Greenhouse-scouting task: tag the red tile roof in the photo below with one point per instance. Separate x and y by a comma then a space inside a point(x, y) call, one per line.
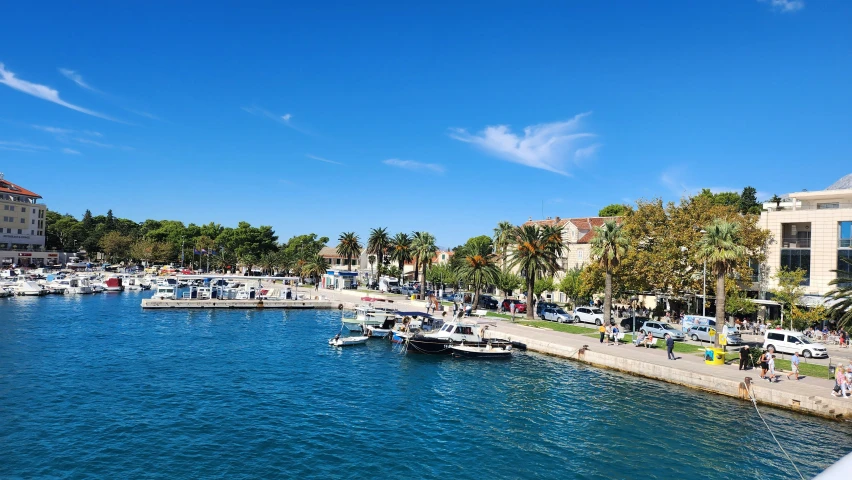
point(9, 187)
point(584, 224)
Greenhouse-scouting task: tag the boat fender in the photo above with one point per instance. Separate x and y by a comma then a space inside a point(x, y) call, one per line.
point(519, 345)
point(340, 307)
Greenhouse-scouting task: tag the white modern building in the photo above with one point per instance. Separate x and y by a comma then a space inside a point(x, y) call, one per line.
point(811, 231)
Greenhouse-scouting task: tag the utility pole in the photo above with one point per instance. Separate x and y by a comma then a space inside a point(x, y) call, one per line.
point(181, 253)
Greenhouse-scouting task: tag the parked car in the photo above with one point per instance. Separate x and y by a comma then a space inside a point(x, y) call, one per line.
point(701, 333)
point(662, 330)
point(540, 306)
point(557, 314)
point(489, 302)
point(788, 341)
point(589, 315)
point(627, 323)
point(520, 307)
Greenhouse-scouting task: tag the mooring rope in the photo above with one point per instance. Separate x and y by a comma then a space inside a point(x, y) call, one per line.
point(754, 402)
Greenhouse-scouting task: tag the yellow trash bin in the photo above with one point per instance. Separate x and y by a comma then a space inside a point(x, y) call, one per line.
point(714, 356)
point(414, 296)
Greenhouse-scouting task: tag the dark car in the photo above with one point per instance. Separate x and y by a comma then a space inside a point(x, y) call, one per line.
point(520, 306)
point(627, 323)
point(489, 302)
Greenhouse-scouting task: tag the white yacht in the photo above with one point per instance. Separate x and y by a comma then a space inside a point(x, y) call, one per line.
point(165, 292)
point(29, 288)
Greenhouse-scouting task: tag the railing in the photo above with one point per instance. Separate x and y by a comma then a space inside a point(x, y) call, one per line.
point(810, 206)
point(795, 242)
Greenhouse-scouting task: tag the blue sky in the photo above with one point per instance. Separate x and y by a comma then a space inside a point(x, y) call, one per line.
point(445, 116)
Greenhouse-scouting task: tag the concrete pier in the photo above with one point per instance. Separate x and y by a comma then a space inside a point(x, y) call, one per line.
point(239, 304)
point(809, 395)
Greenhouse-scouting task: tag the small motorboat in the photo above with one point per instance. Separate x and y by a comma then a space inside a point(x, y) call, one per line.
point(339, 341)
point(488, 351)
point(377, 332)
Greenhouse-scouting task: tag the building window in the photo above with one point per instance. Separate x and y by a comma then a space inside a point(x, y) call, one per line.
point(23, 220)
point(824, 206)
point(20, 231)
point(795, 235)
point(24, 209)
point(792, 259)
point(580, 255)
point(844, 233)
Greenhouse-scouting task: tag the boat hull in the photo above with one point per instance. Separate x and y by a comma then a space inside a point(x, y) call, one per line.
point(480, 352)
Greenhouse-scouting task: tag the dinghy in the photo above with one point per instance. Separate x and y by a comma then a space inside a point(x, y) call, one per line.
point(339, 341)
point(488, 351)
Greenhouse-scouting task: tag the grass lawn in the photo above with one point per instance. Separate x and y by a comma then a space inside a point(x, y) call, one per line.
point(808, 369)
point(559, 327)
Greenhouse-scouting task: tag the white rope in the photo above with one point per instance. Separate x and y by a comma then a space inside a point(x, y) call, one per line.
point(754, 402)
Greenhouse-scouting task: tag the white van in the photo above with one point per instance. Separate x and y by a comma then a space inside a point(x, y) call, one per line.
point(788, 341)
point(690, 321)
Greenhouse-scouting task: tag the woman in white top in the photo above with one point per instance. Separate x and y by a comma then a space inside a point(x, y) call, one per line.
point(771, 361)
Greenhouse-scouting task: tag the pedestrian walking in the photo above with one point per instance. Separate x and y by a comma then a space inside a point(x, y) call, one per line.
point(615, 333)
point(670, 347)
point(841, 383)
point(745, 355)
point(602, 331)
point(794, 366)
point(770, 365)
point(764, 364)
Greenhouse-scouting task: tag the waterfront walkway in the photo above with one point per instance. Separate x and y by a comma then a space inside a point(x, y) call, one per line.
point(809, 394)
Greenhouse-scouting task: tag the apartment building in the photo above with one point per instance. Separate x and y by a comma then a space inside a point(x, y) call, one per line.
point(811, 231)
point(22, 227)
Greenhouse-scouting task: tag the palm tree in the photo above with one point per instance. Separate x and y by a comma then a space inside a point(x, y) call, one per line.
point(315, 268)
point(378, 244)
point(400, 249)
point(423, 247)
point(841, 296)
point(503, 238)
point(479, 267)
point(371, 259)
point(349, 247)
point(609, 245)
point(720, 248)
point(536, 254)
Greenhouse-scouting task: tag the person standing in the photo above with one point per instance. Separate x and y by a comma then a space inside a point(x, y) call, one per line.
point(602, 331)
point(615, 332)
point(608, 332)
point(794, 366)
point(745, 354)
point(670, 347)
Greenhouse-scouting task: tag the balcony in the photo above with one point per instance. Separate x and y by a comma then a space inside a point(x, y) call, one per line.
point(795, 242)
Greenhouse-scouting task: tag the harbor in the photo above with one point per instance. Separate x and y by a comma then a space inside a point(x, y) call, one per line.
point(261, 389)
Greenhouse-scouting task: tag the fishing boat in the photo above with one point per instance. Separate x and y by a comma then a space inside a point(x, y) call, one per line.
point(165, 292)
point(351, 320)
point(488, 351)
point(113, 285)
point(339, 341)
point(28, 288)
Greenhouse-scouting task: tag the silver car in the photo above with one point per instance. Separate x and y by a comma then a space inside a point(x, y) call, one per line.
point(557, 315)
point(662, 330)
point(701, 333)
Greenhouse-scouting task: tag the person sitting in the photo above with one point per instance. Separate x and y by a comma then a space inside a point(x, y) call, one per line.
point(640, 339)
point(649, 340)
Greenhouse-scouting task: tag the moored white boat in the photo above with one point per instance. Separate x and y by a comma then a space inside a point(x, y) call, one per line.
point(339, 341)
point(488, 351)
point(29, 288)
point(165, 292)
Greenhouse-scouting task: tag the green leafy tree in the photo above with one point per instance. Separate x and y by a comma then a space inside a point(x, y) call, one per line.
point(721, 248)
point(442, 274)
point(609, 245)
point(479, 266)
point(748, 201)
point(315, 268)
point(572, 285)
point(116, 246)
point(393, 271)
point(424, 249)
point(614, 210)
point(349, 246)
point(536, 253)
point(248, 243)
point(543, 285)
point(508, 282)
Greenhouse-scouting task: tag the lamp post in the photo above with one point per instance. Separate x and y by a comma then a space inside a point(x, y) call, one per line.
point(633, 301)
point(704, 292)
point(181, 253)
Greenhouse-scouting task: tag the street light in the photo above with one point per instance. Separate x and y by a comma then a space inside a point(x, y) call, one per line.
point(633, 300)
point(704, 293)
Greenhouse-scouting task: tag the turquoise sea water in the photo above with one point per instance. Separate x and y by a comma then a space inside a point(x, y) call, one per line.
point(95, 387)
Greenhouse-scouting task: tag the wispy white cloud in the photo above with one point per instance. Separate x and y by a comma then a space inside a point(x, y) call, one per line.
point(44, 92)
point(70, 151)
point(94, 134)
point(547, 146)
point(587, 152)
point(53, 130)
point(286, 119)
point(86, 141)
point(412, 165)
point(22, 147)
point(320, 159)
point(785, 5)
point(76, 78)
